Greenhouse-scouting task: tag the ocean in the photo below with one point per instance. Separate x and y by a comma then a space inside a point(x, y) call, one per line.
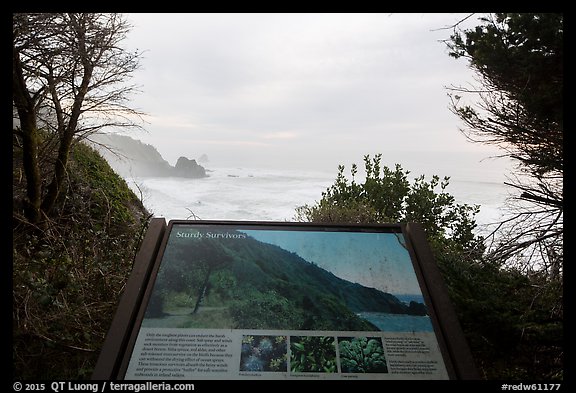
point(271, 194)
point(398, 322)
point(240, 193)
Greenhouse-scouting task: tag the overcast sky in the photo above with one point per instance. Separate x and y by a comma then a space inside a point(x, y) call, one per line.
point(304, 90)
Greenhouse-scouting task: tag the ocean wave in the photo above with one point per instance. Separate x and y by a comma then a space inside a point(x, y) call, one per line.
point(263, 194)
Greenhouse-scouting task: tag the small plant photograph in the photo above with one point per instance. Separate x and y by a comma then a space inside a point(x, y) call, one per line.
point(313, 354)
point(264, 353)
point(362, 355)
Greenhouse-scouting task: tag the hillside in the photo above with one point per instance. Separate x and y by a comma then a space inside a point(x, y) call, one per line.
point(132, 158)
point(253, 285)
point(68, 278)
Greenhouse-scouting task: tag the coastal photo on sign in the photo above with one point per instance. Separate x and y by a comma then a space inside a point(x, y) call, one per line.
point(232, 300)
point(259, 279)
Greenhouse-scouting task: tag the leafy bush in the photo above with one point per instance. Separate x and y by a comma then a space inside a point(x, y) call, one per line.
point(513, 321)
point(312, 354)
point(387, 196)
point(362, 355)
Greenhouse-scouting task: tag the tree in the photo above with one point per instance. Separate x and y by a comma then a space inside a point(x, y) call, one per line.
point(69, 77)
point(518, 107)
point(519, 61)
point(211, 257)
point(510, 319)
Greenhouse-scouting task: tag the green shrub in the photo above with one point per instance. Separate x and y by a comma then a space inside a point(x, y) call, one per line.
point(512, 320)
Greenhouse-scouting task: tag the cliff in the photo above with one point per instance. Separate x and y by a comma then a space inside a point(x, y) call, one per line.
point(262, 286)
point(131, 157)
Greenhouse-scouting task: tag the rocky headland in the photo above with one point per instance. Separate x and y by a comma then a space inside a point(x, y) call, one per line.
point(132, 158)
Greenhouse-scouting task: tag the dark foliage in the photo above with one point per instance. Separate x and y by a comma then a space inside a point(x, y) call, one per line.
point(513, 321)
point(68, 277)
point(362, 355)
point(265, 287)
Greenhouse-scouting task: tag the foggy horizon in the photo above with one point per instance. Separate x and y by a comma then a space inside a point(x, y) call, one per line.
point(305, 91)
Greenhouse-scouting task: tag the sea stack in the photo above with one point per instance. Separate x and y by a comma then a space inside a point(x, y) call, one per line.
point(189, 168)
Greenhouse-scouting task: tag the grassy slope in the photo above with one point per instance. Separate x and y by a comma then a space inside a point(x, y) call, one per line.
point(66, 282)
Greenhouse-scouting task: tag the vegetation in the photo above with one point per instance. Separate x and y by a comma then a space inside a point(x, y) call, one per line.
point(69, 76)
point(264, 353)
point(387, 195)
point(76, 225)
point(312, 354)
point(362, 355)
point(509, 320)
point(508, 287)
point(247, 284)
point(68, 278)
point(518, 107)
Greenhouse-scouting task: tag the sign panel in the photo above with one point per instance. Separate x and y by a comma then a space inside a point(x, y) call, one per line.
point(242, 300)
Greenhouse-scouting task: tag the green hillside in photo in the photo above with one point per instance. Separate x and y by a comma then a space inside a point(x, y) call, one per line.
point(243, 283)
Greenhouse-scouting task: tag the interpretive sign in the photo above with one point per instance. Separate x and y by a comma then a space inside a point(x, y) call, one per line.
point(264, 300)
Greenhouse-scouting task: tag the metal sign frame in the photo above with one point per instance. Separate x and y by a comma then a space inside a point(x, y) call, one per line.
point(120, 340)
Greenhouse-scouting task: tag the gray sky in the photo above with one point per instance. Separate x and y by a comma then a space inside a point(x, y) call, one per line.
point(303, 90)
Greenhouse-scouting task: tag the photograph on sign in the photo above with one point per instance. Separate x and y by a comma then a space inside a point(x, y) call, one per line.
point(233, 302)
